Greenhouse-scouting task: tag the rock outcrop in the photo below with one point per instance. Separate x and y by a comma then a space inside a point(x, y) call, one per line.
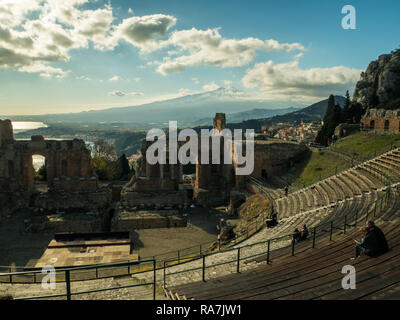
point(380, 83)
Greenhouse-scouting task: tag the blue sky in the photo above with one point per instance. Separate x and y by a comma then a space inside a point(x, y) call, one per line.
point(73, 55)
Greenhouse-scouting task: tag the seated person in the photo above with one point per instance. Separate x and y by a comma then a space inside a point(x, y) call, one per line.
point(273, 221)
point(304, 233)
point(373, 243)
point(296, 235)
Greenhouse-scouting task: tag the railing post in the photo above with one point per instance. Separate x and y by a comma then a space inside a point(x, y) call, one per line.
point(200, 249)
point(204, 269)
point(238, 261)
point(331, 232)
point(293, 247)
point(345, 224)
point(314, 234)
point(179, 256)
point(164, 275)
point(154, 279)
point(97, 272)
point(68, 284)
point(268, 250)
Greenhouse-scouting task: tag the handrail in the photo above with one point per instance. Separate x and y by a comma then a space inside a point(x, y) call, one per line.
point(372, 208)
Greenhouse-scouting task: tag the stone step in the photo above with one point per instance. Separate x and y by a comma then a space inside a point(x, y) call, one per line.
point(340, 184)
point(322, 195)
point(329, 191)
point(336, 188)
point(348, 179)
point(367, 178)
point(359, 182)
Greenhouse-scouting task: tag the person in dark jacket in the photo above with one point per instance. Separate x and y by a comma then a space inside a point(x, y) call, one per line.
point(296, 235)
point(273, 221)
point(373, 243)
point(286, 190)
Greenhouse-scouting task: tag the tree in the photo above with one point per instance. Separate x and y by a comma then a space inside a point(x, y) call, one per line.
point(332, 118)
point(122, 167)
point(346, 108)
point(101, 149)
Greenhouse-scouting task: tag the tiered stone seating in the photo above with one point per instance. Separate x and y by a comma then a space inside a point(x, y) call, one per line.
point(310, 274)
point(364, 178)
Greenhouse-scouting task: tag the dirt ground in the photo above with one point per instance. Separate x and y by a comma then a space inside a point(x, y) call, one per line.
point(18, 247)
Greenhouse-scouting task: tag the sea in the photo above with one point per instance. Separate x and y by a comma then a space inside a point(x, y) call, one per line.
point(21, 126)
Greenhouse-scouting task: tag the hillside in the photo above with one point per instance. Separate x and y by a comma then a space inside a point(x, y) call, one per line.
point(366, 145)
point(184, 109)
point(314, 112)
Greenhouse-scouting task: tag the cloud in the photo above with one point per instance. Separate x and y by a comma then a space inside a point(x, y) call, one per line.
point(208, 47)
point(288, 79)
point(119, 93)
point(211, 86)
point(142, 31)
point(34, 33)
point(114, 78)
point(45, 71)
point(196, 80)
point(83, 78)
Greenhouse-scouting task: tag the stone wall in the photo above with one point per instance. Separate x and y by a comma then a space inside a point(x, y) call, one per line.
point(140, 219)
point(274, 157)
point(68, 162)
point(381, 120)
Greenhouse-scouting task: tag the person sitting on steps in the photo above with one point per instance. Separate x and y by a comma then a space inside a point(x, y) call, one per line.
point(373, 243)
point(304, 233)
point(273, 221)
point(296, 235)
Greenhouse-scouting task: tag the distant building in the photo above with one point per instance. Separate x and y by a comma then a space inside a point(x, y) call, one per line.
point(381, 120)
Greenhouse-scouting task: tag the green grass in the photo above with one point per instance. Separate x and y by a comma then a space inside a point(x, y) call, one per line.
point(366, 145)
point(314, 166)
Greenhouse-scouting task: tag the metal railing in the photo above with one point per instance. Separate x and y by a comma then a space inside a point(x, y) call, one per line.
point(340, 224)
point(68, 275)
point(71, 274)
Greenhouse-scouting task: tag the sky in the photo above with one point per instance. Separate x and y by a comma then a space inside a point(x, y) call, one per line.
point(59, 56)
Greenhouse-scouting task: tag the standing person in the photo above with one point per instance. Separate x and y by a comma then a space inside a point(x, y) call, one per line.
point(286, 190)
point(296, 235)
point(373, 243)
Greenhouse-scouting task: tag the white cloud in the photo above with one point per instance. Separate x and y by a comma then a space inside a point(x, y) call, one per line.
point(130, 11)
point(114, 78)
point(288, 79)
point(142, 31)
point(83, 78)
point(228, 83)
point(45, 71)
point(119, 93)
point(211, 86)
point(208, 47)
point(196, 80)
point(34, 33)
